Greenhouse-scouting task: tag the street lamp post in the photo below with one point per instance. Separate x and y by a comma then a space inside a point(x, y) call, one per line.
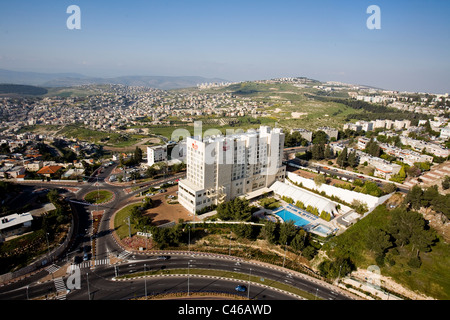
point(229, 250)
point(248, 293)
point(89, 293)
point(189, 262)
point(145, 280)
point(48, 247)
point(189, 239)
point(284, 260)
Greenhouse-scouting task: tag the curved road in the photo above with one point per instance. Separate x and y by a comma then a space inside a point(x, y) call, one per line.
point(97, 283)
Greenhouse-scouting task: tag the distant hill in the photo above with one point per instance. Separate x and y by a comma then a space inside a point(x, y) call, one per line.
point(17, 89)
point(74, 79)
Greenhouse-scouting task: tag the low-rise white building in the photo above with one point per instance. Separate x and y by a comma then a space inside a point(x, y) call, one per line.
point(156, 154)
point(15, 224)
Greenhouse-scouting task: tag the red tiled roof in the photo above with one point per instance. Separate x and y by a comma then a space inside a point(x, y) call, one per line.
point(49, 170)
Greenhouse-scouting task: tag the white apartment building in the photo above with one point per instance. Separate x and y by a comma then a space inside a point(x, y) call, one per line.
point(221, 168)
point(429, 147)
point(156, 154)
point(445, 133)
point(353, 126)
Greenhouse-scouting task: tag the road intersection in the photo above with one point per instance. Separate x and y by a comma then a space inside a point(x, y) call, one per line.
point(110, 259)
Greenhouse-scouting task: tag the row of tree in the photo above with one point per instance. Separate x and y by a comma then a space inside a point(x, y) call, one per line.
point(428, 198)
point(346, 159)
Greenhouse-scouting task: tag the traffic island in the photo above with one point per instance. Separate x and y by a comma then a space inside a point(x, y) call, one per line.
point(99, 197)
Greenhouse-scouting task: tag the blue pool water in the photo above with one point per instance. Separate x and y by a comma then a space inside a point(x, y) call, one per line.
point(287, 215)
point(322, 229)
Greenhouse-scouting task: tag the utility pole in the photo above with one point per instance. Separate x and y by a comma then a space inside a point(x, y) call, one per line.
point(129, 226)
point(229, 250)
point(284, 260)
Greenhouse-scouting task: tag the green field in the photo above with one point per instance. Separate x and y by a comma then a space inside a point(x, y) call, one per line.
point(170, 131)
point(75, 91)
point(290, 106)
point(120, 221)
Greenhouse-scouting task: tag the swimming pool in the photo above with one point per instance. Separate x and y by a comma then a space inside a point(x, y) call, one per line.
point(322, 229)
point(288, 215)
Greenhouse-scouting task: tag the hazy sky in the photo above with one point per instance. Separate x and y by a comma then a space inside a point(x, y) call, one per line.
point(326, 40)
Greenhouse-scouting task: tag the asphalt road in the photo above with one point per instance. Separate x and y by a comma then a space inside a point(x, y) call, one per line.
point(344, 174)
point(100, 286)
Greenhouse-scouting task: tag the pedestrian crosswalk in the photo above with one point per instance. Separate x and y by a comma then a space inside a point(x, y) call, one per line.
point(61, 290)
point(52, 269)
point(124, 255)
point(89, 264)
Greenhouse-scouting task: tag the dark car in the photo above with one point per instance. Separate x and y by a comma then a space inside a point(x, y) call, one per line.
point(241, 288)
point(162, 257)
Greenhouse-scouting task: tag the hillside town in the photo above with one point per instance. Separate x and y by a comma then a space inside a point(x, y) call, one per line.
point(117, 106)
point(323, 180)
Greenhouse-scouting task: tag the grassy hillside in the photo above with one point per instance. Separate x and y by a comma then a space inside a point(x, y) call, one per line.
point(292, 106)
point(431, 277)
point(19, 89)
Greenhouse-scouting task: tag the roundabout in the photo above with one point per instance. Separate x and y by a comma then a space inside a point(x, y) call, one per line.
point(99, 197)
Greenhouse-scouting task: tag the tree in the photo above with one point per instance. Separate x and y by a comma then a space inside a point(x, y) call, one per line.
point(389, 188)
point(359, 206)
point(446, 183)
point(287, 232)
point(334, 269)
point(320, 137)
point(414, 197)
point(430, 196)
point(243, 230)
point(410, 227)
point(320, 179)
point(352, 159)
point(299, 241)
point(317, 152)
point(137, 155)
point(372, 189)
point(148, 203)
point(270, 232)
point(309, 252)
point(377, 240)
point(151, 172)
point(373, 148)
point(295, 139)
point(237, 209)
point(400, 176)
point(342, 158)
point(328, 153)
point(413, 171)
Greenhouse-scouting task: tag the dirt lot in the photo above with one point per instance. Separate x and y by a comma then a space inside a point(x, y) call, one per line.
point(309, 175)
point(163, 212)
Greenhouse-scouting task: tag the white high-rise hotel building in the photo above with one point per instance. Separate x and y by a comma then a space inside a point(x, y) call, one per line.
point(220, 168)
